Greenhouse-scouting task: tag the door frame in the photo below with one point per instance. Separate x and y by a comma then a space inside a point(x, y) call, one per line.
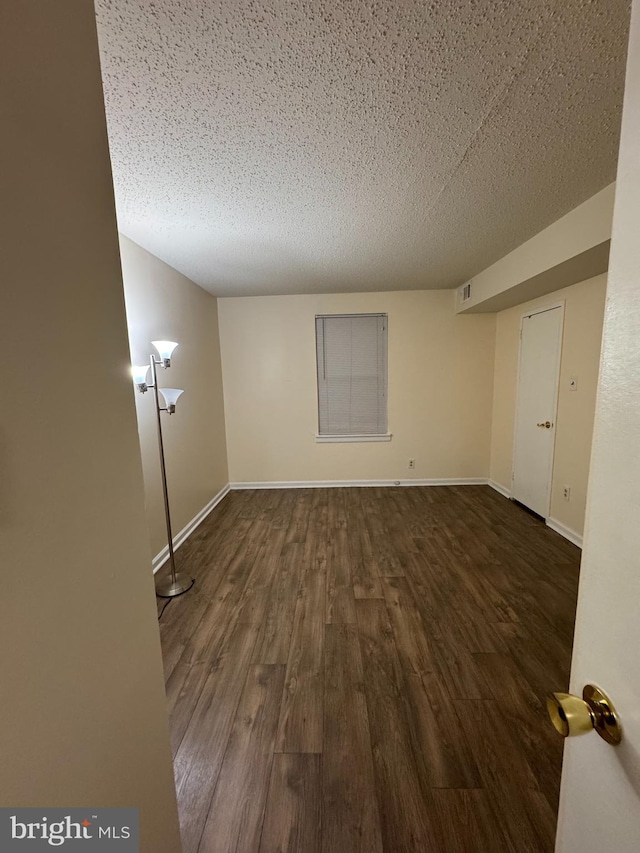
point(542, 310)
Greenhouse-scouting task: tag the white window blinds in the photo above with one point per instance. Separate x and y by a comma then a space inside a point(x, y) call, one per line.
point(352, 374)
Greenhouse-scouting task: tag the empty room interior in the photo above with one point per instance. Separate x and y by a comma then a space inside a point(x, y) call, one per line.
point(309, 582)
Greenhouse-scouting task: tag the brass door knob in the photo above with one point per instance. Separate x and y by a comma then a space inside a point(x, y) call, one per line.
point(572, 716)
point(545, 424)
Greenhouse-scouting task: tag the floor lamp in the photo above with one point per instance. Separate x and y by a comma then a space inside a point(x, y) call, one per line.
point(178, 582)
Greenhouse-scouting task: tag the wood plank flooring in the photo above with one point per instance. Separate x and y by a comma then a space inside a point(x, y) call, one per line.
point(364, 670)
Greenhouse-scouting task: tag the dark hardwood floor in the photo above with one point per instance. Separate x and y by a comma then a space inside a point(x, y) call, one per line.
point(365, 670)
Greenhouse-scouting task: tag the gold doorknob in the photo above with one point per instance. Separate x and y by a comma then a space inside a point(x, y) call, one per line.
point(545, 424)
point(572, 716)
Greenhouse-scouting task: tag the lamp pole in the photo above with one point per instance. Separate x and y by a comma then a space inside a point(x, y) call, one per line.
point(177, 582)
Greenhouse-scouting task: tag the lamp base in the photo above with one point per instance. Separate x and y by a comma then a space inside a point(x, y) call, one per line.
point(169, 588)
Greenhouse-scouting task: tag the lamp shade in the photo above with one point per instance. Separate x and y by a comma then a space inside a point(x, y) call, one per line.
point(139, 373)
point(170, 396)
point(165, 348)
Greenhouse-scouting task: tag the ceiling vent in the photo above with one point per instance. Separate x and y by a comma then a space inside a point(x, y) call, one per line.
point(465, 292)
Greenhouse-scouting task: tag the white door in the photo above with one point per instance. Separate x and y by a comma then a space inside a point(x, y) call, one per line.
point(600, 795)
point(540, 344)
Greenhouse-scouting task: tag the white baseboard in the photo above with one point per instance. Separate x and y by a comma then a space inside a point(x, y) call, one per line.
point(160, 559)
point(332, 484)
point(502, 489)
point(567, 532)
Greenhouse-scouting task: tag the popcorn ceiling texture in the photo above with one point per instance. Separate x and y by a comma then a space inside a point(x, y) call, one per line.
point(299, 146)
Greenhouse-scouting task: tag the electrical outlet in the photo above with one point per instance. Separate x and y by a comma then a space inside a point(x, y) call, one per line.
point(566, 493)
point(412, 463)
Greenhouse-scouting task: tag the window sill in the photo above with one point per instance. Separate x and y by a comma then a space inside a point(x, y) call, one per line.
point(333, 439)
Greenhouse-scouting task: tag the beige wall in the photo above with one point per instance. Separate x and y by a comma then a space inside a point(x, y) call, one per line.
point(584, 309)
point(162, 304)
point(440, 389)
point(82, 716)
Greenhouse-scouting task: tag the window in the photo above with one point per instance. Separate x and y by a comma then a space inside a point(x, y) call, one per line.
point(352, 377)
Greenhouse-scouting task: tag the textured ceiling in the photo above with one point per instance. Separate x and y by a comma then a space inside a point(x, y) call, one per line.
point(295, 146)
